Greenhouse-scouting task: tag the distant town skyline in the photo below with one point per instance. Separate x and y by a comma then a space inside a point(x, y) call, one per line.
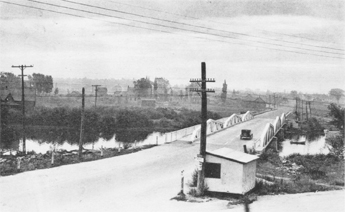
point(278, 46)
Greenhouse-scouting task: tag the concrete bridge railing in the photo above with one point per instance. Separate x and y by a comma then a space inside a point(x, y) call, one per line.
point(217, 125)
point(269, 132)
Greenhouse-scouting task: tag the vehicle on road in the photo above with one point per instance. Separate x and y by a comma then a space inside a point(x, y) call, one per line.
point(246, 135)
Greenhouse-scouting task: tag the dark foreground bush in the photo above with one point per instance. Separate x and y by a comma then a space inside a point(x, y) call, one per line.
point(315, 166)
point(300, 185)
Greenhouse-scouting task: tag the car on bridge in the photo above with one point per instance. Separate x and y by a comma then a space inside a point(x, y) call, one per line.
point(246, 135)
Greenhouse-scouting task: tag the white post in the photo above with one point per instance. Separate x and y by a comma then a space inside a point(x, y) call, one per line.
point(18, 163)
point(52, 162)
point(182, 183)
point(119, 149)
point(53, 151)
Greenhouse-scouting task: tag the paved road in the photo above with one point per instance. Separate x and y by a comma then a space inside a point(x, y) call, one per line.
point(143, 181)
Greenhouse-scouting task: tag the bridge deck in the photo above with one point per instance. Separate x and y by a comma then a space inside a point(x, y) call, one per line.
point(230, 137)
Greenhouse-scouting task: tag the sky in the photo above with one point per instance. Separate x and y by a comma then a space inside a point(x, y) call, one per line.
point(279, 45)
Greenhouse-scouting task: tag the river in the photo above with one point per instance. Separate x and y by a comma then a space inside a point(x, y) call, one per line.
point(315, 146)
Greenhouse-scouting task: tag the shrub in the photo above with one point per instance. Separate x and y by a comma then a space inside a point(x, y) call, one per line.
point(194, 181)
point(271, 156)
point(314, 165)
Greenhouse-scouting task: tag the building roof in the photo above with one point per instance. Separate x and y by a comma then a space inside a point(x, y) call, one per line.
point(233, 155)
point(259, 99)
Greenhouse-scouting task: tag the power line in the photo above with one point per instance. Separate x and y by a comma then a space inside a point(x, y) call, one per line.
point(185, 16)
point(79, 16)
point(283, 50)
point(207, 28)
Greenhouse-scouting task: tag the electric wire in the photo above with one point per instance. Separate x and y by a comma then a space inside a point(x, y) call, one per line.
point(266, 31)
point(171, 27)
point(151, 24)
point(79, 16)
point(206, 28)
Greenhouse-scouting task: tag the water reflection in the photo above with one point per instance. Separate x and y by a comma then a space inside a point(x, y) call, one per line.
point(43, 147)
point(295, 145)
point(42, 139)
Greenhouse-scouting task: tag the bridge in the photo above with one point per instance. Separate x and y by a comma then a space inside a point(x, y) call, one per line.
point(264, 133)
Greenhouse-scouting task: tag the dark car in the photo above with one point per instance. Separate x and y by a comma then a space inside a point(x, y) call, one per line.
point(246, 135)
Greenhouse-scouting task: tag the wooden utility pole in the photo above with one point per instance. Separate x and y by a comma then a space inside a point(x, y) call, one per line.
point(306, 110)
point(96, 90)
point(0, 127)
point(82, 125)
point(274, 100)
point(302, 111)
point(296, 108)
point(204, 91)
point(22, 67)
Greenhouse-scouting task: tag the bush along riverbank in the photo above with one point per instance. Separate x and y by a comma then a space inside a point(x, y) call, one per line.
point(10, 164)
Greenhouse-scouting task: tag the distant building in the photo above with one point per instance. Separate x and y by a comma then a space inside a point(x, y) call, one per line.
point(117, 90)
point(102, 91)
point(161, 86)
point(151, 103)
point(13, 98)
point(259, 104)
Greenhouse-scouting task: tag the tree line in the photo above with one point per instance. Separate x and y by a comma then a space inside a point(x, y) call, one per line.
point(42, 83)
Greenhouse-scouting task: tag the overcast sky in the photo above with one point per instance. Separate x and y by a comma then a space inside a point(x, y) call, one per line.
point(238, 40)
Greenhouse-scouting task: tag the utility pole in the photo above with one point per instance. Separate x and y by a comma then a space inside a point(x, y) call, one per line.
point(296, 108)
point(22, 67)
point(310, 108)
point(274, 101)
point(204, 91)
point(96, 89)
point(306, 109)
point(82, 125)
point(302, 110)
point(0, 126)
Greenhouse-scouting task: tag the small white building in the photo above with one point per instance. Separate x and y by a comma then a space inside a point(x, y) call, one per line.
point(230, 171)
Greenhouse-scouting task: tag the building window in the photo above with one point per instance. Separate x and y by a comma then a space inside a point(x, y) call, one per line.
point(212, 170)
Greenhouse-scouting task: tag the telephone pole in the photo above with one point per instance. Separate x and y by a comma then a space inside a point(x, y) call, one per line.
point(96, 89)
point(202, 156)
point(306, 110)
point(22, 67)
point(80, 152)
point(296, 108)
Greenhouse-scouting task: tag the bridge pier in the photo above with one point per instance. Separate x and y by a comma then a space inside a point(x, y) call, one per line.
point(274, 143)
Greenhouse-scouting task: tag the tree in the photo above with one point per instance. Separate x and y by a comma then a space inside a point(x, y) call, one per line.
point(224, 91)
point(293, 94)
point(143, 87)
point(43, 84)
point(155, 87)
point(56, 91)
point(338, 115)
point(11, 81)
point(337, 93)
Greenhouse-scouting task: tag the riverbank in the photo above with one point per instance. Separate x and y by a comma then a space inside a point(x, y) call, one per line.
point(14, 164)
